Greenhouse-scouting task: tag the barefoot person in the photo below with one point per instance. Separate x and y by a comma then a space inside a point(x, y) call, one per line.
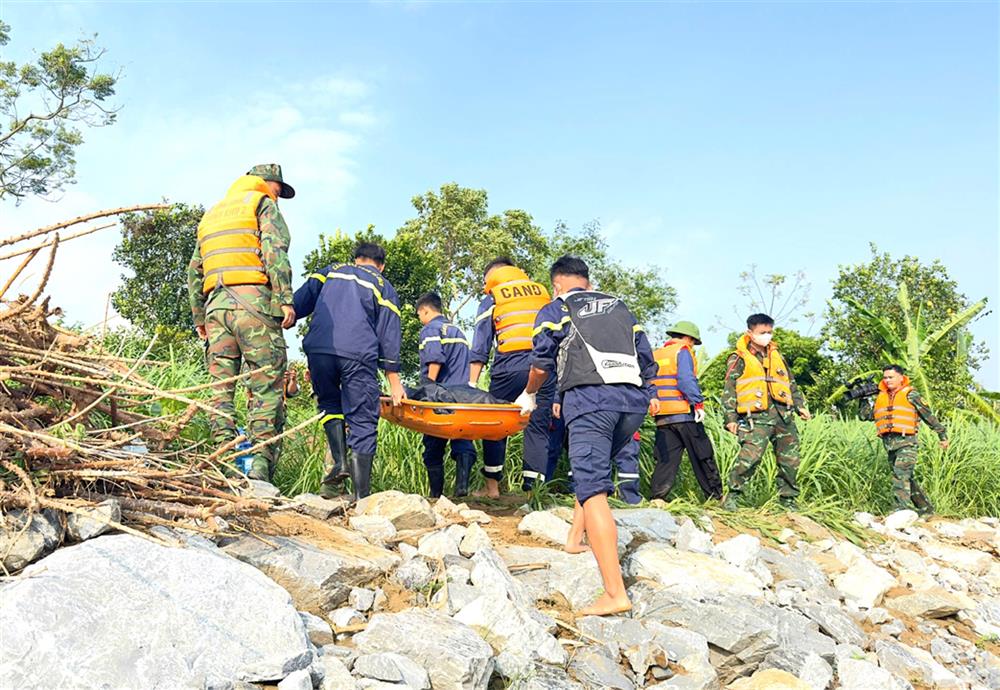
point(604, 366)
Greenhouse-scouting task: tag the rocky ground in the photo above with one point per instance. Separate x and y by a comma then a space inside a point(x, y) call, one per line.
point(401, 593)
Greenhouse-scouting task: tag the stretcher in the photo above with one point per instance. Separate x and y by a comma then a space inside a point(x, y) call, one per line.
point(455, 420)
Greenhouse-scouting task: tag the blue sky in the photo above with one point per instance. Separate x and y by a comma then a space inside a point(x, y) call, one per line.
point(705, 137)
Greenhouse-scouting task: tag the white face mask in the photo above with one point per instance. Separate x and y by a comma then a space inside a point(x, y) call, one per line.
point(761, 339)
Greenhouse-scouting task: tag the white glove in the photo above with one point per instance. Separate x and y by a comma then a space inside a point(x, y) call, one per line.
point(526, 401)
point(473, 384)
point(699, 415)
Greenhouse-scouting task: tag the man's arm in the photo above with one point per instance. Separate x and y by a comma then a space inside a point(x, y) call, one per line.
point(304, 300)
point(389, 333)
point(686, 379)
point(274, 241)
point(929, 418)
point(431, 352)
point(734, 369)
point(195, 278)
point(482, 339)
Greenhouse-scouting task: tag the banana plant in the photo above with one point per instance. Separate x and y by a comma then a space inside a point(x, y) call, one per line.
point(910, 347)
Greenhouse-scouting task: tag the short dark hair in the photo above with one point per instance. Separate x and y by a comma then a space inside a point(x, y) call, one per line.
point(370, 250)
point(895, 367)
point(430, 299)
point(567, 265)
point(499, 261)
point(759, 320)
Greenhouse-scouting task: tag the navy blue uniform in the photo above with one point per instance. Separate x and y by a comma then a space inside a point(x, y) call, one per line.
point(508, 378)
point(355, 330)
point(601, 418)
point(444, 343)
point(627, 462)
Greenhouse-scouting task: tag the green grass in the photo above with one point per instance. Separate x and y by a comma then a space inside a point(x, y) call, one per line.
point(844, 467)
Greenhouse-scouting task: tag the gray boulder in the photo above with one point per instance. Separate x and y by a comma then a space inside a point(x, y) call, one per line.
point(646, 524)
point(336, 676)
point(317, 579)
point(453, 655)
point(404, 511)
point(120, 611)
point(834, 622)
point(20, 546)
point(392, 668)
point(544, 677)
point(574, 576)
point(689, 573)
point(542, 524)
point(596, 670)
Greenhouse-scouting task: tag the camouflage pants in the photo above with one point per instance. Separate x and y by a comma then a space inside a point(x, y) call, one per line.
point(903, 459)
point(235, 336)
point(784, 438)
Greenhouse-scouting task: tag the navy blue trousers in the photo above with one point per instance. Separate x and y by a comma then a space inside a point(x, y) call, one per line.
point(594, 439)
point(347, 389)
point(434, 449)
point(507, 386)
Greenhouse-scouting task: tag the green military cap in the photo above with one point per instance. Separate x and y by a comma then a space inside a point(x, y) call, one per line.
point(686, 328)
point(272, 173)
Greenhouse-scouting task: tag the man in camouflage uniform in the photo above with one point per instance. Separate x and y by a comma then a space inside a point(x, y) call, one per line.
point(242, 323)
point(899, 437)
point(770, 418)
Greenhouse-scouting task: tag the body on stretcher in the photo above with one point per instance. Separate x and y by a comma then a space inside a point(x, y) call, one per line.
point(455, 420)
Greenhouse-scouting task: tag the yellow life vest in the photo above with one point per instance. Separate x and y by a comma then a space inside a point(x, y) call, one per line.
point(761, 382)
point(229, 236)
point(895, 414)
point(672, 401)
point(517, 300)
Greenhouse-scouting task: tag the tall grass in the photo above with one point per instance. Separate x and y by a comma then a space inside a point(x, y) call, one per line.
point(844, 467)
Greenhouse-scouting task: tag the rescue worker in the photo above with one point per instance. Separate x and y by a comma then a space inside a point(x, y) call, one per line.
point(590, 342)
point(627, 461)
point(896, 412)
point(355, 330)
point(240, 292)
point(679, 426)
point(506, 316)
point(760, 400)
point(444, 359)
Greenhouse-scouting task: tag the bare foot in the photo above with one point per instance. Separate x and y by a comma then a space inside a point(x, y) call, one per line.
point(606, 605)
point(486, 493)
point(578, 547)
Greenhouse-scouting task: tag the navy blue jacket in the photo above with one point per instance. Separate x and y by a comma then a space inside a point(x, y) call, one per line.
point(551, 327)
point(355, 314)
point(485, 336)
point(444, 343)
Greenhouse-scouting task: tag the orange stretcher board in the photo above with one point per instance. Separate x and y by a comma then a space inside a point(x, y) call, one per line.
point(455, 420)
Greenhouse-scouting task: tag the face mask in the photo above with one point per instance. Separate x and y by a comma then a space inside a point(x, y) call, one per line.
point(761, 339)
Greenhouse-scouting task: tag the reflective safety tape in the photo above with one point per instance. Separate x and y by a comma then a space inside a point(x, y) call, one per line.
point(318, 276)
point(533, 475)
point(551, 326)
point(444, 341)
point(223, 233)
point(485, 315)
point(364, 283)
point(627, 475)
point(493, 468)
point(327, 417)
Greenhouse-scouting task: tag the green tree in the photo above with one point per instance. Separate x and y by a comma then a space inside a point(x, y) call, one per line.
point(455, 229)
point(647, 293)
point(42, 103)
point(868, 323)
point(156, 247)
point(410, 269)
point(813, 369)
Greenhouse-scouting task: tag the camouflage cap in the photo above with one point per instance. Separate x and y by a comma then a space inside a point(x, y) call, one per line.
point(272, 173)
point(686, 328)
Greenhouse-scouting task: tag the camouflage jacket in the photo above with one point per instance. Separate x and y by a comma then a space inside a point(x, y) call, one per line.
point(866, 409)
point(776, 412)
point(267, 299)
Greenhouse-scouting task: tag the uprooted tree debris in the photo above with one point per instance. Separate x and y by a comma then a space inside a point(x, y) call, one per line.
point(73, 424)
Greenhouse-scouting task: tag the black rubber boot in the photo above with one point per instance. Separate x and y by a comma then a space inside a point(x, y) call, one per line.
point(463, 471)
point(336, 438)
point(435, 477)
point(361, 474)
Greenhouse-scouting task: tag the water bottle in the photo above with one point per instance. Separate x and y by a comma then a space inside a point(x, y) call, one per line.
point(243, 462)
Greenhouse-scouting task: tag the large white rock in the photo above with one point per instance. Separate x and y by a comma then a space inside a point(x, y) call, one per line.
point(475, 538)
point(969, 560)
point(119, 611)
point(914, 664)
point(453, 655)
point(930, 603)
point(575, 576)
point(860, 674)
point(542, 524)
point(92, 522)
point(865, 583)
point(375, 528)
point(770, 679)
point(690, 538)
point(441, 543)
point(405, 511)
point(693, 574)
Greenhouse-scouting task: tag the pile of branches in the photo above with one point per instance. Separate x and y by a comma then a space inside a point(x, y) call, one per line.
point(73, 431)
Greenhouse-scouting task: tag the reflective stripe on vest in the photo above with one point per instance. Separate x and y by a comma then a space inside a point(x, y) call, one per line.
point(761, 381)
point(517, 300)
point(672, 400)
point(896, 415)
point(229, 237)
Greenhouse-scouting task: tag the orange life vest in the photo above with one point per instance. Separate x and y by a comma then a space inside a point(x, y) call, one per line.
point(672, 401)
point(761, 381)
point(895, 414)
point(517, 300)
point(229, 236)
